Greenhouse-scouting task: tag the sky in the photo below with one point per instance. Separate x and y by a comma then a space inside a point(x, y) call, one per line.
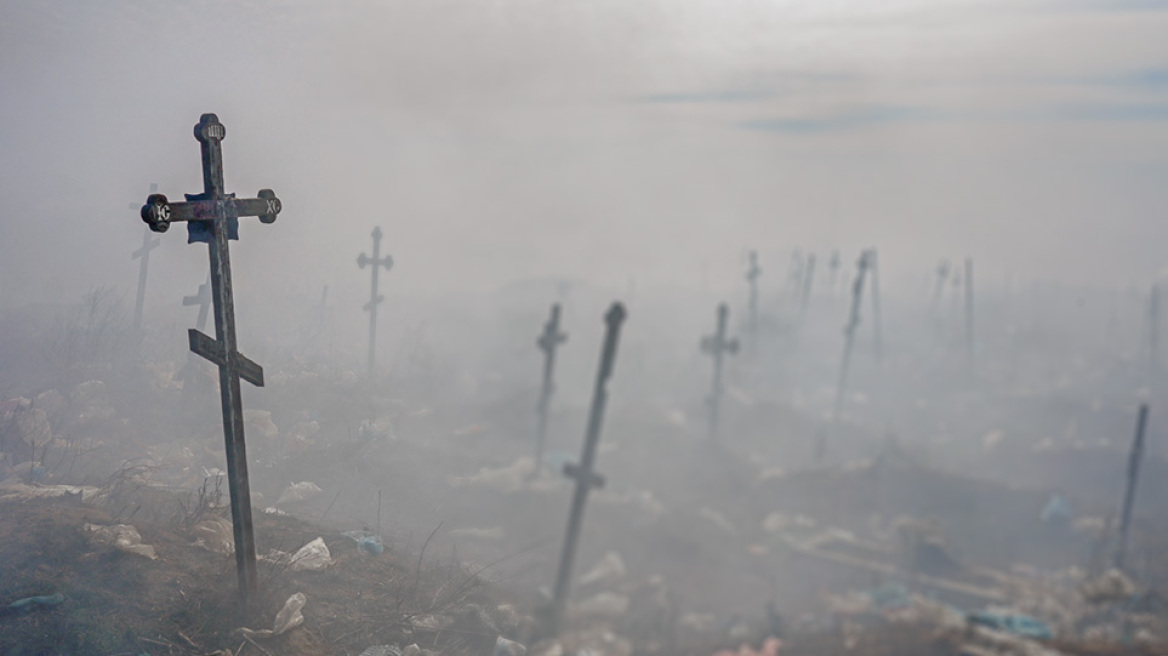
point(610, 141)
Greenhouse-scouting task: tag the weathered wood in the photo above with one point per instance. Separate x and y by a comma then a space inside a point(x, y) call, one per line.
point(212, 217)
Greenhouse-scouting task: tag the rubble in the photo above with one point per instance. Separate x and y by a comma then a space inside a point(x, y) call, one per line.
point(122, 536)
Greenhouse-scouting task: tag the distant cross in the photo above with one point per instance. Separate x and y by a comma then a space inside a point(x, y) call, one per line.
point(213, 217)
point(585, 473)
point(969, 312)
point(795, 273)
point(149, 243)
point(849, 338)
point(752, 274)
point(202, 298)
point(549, 340)
point(1133, 474)
point(942, 276)
point(877, 327)
point(716, 346)
point(376, 262)
point(833, 266)
point(808, 278)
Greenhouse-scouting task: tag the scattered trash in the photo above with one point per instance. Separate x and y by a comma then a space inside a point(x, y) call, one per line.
point(1112, 585)
point(1057, 511)
point(288, 618)
point(1017, 624)
point(382, 650)
point(215, 534)
point(312, 556)
point(29, 604)
point(512, 478)
point(366, 542)
point(301, 491)
point(505, 647)
point(122, 536)
point(770, 647)
point(431, 622)
point(602, 604)
point(493, 533)
point(23, 492)
point(609, 570)
point(259, 422)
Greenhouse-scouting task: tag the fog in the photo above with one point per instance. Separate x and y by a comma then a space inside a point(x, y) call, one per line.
point(517, 154)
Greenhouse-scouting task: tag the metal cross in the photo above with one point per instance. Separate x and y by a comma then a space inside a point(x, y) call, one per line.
point(877, 327)
point(752, 274)
point(584, 473)
point(716, 345)
point(548, 341)
point(833, 266)
point(213, 217)
point(808, 278)
point(374, 298)
point(969, 312)
point(149, 243)
point(1133, 474)
point(849, 337)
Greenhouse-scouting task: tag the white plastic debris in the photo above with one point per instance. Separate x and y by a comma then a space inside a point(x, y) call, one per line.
point(602, 605)
point(382, 650)
point(23, 492)
point(431, 622)
point(298, 492)
point(505, 647)
point(312, 556)
point(608, 570)
point(122, 536)
point(215, 534)
point(505, 479)
point(288, 618)
point(493, 533)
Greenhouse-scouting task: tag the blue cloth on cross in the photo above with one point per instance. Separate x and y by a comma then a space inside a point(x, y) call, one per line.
point(201, 231)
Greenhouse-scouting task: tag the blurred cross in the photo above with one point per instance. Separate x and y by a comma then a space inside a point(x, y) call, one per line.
point(374, 298)
point(548, 342)
point(149, 243)
point(716, 345)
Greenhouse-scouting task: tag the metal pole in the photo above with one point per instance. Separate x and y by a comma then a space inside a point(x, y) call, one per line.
point(1133, 473)
point(584, 474)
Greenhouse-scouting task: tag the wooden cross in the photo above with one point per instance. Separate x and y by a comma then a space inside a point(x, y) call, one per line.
point(585, 473)
point(716, 345)
point(547, 342)
point(374, 298)
point(863, 265)
point(752, 274)
point(202, 299)
point(213, 217)
point(149, 243)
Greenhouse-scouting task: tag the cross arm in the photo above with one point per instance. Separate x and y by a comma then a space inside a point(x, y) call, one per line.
point(213, 350)
point(152, 244)
point(589, 478)
point(159, 212)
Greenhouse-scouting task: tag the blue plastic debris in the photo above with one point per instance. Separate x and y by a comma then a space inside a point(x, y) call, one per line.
point(33, 603)
point(366, 542)
point(1057, 511)
point(1020, 625)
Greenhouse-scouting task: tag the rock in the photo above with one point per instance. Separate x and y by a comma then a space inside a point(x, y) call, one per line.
point(602, 605)
point(259, 422)
point(608, 571)
point(215, 534)
point(296, 492)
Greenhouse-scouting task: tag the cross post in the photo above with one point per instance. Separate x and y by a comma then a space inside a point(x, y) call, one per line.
point(942, 276)
point(548, 341)
point(376, 262)
point(149, 243)
point(202, 298)
point(808, 278)
point(585, 473)
point(1133, 474)
point(863, 265)
point(833, 266)
point(716, 346)
point(877, 327)
point(752, 273)
point(213, 217)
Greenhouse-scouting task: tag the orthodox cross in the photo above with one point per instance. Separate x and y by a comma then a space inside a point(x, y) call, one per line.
point(752, 274)
point(213, 217)
point(585, 473)
point(849, 338)
point(149, 243)
point(716, 346)
point(374, 298)
point(202, 298)
point(548, 341)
